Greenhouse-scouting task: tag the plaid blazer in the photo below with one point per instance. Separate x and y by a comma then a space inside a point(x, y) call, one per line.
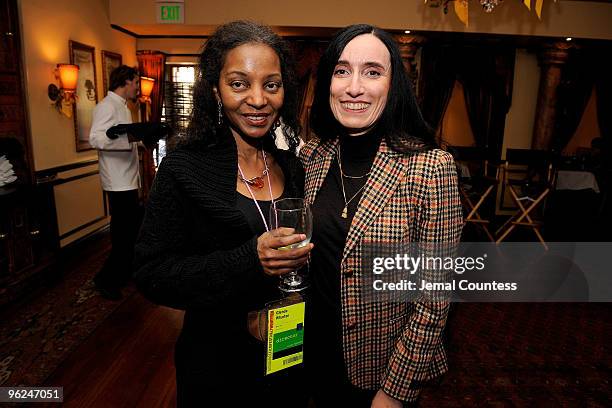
point(407, 198)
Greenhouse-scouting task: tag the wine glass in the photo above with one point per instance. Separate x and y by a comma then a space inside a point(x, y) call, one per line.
point(295, 214)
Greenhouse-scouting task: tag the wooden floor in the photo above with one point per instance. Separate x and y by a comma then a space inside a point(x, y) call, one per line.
point(126, 362)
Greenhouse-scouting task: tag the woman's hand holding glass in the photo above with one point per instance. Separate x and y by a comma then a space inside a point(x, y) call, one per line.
point(291, 216)
point(276, 259)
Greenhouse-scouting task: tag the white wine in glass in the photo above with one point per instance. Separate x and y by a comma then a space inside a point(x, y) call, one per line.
point(294, 214)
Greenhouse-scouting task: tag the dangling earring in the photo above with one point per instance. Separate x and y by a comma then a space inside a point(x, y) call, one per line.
point(219, 113)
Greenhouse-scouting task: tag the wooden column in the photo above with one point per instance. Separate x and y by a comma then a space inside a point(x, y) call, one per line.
point(551, 58)
point(409, 45)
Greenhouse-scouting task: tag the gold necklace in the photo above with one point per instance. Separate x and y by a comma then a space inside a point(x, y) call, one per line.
point(344, 213)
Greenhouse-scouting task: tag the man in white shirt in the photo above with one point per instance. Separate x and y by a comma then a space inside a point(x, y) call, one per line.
point(118, 166)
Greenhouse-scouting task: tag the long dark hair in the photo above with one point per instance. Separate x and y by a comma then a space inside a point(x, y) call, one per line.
point(203, 126)
point(401, 121)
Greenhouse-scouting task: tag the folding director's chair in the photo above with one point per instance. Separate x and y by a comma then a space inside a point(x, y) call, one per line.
point(528, 192)
point(478, 178)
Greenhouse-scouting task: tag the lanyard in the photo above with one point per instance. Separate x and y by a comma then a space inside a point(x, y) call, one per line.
point(253, 195)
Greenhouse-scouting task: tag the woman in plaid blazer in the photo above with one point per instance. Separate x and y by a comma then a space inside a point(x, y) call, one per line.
point(373, 175)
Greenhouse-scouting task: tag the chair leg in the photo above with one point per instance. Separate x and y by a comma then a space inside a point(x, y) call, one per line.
point(510, 220)
point(474, 212)
point(505, 234)
point(479, 203)
point(535, 228)
point(525, 214)
point(503, 226)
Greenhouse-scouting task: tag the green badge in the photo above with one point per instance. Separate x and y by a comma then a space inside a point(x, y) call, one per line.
point(285, 337)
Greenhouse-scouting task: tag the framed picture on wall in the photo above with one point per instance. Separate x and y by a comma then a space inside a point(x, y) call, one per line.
point(110, 61)
point(87, 94)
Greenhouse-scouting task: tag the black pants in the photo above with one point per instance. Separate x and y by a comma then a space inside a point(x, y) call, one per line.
point(327, 377)
point(229, 374)
point(328, 381)
point(126, 217)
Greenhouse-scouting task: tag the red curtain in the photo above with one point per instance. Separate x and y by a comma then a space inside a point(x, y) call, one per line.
point(152, 64)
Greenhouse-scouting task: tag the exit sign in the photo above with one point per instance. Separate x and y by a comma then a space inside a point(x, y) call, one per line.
point(170, 13)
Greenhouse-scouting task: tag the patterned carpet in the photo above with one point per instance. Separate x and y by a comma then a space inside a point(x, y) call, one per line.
point(38, 334)
point(527, 355)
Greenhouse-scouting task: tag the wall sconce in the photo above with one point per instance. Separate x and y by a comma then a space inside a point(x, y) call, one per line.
point(146, 87)
point(64, 96)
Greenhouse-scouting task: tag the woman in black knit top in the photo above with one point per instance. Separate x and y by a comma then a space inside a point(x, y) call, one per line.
point(204, 245)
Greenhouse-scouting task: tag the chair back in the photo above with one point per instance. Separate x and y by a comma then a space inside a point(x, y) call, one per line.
point(527, 156)
point(467, 153)
point(540, 163)
point(475, 158)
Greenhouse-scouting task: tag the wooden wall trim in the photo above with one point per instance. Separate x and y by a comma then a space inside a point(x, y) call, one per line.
point(81, 227)
point(49, 176)
point(58, 181)
point(66, 167)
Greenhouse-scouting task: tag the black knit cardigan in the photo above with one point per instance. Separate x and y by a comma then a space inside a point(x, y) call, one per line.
point(195, 250)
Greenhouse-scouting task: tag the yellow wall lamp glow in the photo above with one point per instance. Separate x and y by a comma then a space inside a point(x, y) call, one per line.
point(146, 88)
point(65, 96)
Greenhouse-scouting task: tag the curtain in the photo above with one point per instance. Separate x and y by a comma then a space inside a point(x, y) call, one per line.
point(487, 79)
point(308, 54)
point(603, 91)
point(572, 97)
point(152, 64)
point(437, 78)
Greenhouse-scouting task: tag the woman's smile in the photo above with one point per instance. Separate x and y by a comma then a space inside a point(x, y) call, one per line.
point(256, 119)
point(355, 107)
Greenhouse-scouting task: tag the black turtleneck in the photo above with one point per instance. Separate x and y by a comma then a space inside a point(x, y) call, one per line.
point(330, 231)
